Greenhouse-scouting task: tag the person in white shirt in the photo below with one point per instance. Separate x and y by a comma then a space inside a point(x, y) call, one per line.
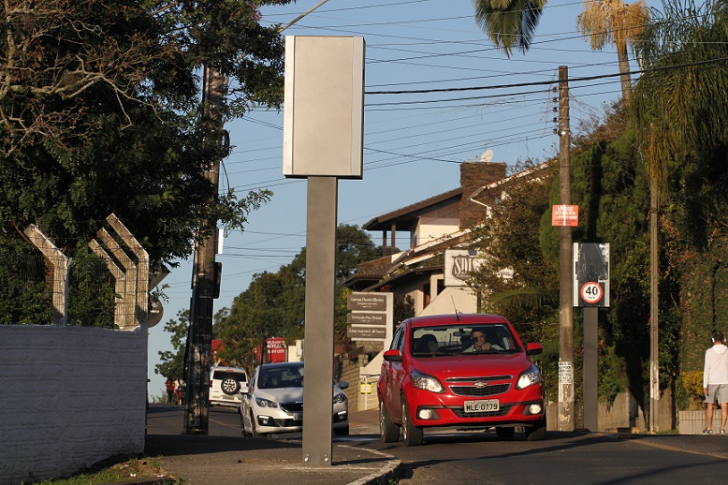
point(715, 381)
point(480, 342)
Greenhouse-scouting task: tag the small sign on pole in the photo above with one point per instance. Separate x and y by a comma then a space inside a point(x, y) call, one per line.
point(565, 215)
point(591, 274)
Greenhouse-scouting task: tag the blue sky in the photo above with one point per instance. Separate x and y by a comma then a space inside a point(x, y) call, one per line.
point(413, 142)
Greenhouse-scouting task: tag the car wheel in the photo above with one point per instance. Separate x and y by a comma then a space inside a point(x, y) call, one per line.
point(341, 431)
point(230, 386)
point(537, 432)
point(387, 429)
point(411, 434)
point(505, 433)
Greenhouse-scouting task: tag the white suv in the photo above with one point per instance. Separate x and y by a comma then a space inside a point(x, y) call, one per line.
point(226, 384)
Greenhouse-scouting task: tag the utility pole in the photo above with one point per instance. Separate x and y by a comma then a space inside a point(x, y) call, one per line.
point(654, 310)
point(566, 410)
point(204, 280)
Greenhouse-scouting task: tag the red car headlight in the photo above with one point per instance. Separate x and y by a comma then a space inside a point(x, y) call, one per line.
point(528, 378)
point(426, 382)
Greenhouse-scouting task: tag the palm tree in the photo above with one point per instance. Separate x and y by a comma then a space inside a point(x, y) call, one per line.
point(509, 23)
point(614, 22)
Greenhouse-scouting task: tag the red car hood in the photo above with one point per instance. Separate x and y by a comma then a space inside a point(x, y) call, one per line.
point(482, 365)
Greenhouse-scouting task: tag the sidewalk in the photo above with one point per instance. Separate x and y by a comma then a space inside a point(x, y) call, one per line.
point(220, 460)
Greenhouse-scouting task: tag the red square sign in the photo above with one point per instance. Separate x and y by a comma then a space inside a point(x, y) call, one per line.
point(565, 215)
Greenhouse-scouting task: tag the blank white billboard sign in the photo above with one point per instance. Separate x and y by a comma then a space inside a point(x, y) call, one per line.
point(323, 127)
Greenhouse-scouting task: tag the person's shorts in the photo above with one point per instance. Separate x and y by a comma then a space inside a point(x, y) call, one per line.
point(717, 393)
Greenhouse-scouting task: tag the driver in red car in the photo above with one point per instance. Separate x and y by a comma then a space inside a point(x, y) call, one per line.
point(480, 343)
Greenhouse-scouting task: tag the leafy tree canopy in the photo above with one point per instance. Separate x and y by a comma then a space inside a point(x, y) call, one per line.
point(99, 114)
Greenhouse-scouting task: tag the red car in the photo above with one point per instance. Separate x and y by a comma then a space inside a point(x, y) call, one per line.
point(464, 371)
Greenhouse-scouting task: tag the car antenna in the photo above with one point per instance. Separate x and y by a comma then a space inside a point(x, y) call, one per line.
point(457, 313)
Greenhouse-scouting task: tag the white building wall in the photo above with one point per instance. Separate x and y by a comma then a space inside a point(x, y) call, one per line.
point(70, 397)
point(426, 233)
point(461, 298)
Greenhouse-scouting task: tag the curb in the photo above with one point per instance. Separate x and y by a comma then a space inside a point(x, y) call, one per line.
point(392, 469)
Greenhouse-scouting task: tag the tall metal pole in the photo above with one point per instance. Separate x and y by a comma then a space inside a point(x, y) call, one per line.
point(199, 341)
point(566, 313)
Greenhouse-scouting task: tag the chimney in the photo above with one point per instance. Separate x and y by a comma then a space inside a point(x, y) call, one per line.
point(473, 176)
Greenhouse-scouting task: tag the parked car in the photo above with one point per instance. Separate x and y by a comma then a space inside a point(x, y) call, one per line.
point(274, 401)
point(434, 375)
point(226, 385)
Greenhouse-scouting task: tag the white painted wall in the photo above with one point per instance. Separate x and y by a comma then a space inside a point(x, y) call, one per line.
point(69, 397)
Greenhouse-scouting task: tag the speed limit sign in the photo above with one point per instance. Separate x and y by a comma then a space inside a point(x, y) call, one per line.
point(591, 292)
point(591, 275)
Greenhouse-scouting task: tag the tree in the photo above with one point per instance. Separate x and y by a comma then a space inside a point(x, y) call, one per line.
point(172, 363)
point(509, 23)
point(612, 21)
point(99, 114)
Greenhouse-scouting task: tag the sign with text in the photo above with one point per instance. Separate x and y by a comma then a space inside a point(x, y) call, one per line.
point(370, 317)
point(367, 318)
point(591, 274)
point(459, 264)
point(366, 333)
point(367, 302)
point(565, 215)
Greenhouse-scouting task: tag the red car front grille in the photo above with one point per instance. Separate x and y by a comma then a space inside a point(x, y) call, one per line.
point(480, 391)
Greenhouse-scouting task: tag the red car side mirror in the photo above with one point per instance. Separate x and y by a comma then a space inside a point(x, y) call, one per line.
point(393, 355)
point(533, 349)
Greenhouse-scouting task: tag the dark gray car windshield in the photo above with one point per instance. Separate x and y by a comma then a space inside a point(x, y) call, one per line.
point(458, 339)
point(281, 376)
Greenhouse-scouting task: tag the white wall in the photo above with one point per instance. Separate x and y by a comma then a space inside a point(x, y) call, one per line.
point(70, 397)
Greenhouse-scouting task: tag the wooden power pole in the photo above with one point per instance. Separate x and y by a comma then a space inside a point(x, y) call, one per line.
point(204, 281)
point(566, 313)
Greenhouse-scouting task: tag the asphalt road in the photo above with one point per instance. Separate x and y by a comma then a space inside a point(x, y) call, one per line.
point(564, 458)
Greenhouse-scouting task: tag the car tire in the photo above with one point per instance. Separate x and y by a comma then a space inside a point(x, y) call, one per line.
point(537, 432)
point(230, 386)
point(411, 434)
point(505, 433)
point(341, 431)
point(387, 429)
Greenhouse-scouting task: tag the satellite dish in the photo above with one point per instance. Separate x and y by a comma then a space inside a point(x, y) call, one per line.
point(487, 156)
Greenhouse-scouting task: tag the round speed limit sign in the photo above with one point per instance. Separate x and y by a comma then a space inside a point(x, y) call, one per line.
point(591, 292)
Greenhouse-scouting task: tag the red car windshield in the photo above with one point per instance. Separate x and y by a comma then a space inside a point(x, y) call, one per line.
point(458, 339)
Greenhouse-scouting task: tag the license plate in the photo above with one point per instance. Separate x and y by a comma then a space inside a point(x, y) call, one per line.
point(482, 406)
point(228, 397)
point(298, 416)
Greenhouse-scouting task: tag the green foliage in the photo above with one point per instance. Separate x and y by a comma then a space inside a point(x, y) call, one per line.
point(172, 363)
point(509, 23)
point(100, 114)
point(23, 299)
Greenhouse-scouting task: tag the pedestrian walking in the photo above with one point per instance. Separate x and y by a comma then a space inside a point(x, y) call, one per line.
point(169, 386)
point(178, 388)
point(715, 381)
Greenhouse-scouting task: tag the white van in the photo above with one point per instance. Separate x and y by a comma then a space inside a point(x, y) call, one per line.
point(226, 384)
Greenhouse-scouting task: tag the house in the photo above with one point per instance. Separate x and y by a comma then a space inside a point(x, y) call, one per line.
point(431, 272)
